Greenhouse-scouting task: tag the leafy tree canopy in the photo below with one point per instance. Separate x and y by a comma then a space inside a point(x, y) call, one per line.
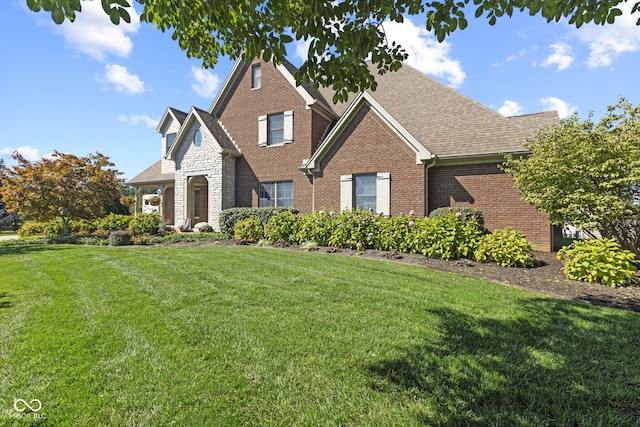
point(63, 186)
point(8, 221)
point(342, 34)
point(587, 174)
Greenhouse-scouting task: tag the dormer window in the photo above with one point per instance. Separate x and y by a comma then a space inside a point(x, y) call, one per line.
point(170, 138)
point(256, 76)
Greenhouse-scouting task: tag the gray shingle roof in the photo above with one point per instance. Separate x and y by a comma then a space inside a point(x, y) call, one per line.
point(446, 122)
point(179, 115)
point(152, 175)
point(218, 133)
point(533, 122)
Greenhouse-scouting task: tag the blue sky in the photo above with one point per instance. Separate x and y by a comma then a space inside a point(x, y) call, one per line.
point(90, 86)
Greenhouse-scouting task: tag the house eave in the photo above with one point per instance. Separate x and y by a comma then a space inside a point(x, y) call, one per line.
point(226, 86)
point(478, 158)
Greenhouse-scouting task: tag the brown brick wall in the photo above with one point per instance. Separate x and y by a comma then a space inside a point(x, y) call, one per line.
point(486, 187)
point(368, 145)
point(239, 114)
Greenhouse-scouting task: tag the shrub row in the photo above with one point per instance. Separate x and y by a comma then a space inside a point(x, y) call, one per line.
point(100, 228)
point(230, 217)
point(449, 234)
point(169, 238)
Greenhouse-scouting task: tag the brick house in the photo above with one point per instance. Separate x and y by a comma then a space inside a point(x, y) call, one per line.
point(413, 144)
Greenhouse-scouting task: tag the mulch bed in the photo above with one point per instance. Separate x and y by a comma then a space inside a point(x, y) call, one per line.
point(547, 278)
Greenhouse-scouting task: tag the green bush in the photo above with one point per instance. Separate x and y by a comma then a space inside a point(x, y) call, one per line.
point(397, 233)
point(55, 227)
point(249, 229)
point(146, 224)
point(353, 227)
point(112, 222)
point(506, 247)
point(448, 236)
point(230, 217)
point(59, 240)
point(282, 226)
point(467, 213)
point(120, 238)
point(598, 260)
point(317, 227)
point(30, 229)
point(188, 237)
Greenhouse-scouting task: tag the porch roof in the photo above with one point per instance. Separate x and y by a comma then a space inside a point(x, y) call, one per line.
point(152, 176)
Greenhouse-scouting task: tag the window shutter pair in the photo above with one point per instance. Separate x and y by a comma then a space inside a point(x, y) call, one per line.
point(263, 129)
point(383, 193)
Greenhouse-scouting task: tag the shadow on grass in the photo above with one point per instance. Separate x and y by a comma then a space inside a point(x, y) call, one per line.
point(29, 248)
point(557, 363)
point(632, 304)
point(5, 304)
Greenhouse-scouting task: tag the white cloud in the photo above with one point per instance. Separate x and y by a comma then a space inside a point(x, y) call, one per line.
point(425, 53)
point(205, 82)
point(562, 57)
point(121, 79)
point(302, 49)
point(94, 34)
point(521, 54)
point(134, 119)
point(562, 107)
point(608, 42)
point(26, 151)
point(510, 108)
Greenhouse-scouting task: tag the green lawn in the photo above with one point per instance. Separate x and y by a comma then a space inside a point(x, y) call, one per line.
point(230, 335)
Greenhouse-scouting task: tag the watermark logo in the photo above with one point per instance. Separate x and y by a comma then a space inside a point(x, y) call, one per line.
point(21, 405)
point(22, 409)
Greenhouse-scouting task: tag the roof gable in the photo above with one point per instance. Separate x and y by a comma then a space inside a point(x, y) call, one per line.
point(313, 164)
point(314, 99)
point(211, 125)
point(447, 123)
point(171, 114)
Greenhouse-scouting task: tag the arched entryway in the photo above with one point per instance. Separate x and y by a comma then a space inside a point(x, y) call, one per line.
point(198, 199)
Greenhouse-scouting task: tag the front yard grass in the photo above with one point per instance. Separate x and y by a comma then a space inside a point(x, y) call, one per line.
point(230, 335)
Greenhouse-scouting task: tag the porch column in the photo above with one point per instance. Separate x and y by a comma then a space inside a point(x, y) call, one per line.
point(161, 206)
point(135, 206)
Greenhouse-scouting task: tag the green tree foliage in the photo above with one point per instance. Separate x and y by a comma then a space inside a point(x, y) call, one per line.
point(63, 186)
point(587, 174)
point(342, 34)
point(8, 220)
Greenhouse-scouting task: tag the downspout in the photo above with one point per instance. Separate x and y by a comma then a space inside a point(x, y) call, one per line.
point(428, 165)
point(313, 192)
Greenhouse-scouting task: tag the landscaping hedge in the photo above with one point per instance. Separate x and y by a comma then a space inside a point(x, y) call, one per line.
point(229, 217)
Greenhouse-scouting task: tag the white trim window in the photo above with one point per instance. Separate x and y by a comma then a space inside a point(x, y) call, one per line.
point(367, 191)
point(171, 137)
point(256, 76)
point(276, 194)
point(275, 129)
point(364, 191)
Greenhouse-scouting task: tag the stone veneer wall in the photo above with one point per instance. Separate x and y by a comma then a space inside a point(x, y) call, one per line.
point(206, 161)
